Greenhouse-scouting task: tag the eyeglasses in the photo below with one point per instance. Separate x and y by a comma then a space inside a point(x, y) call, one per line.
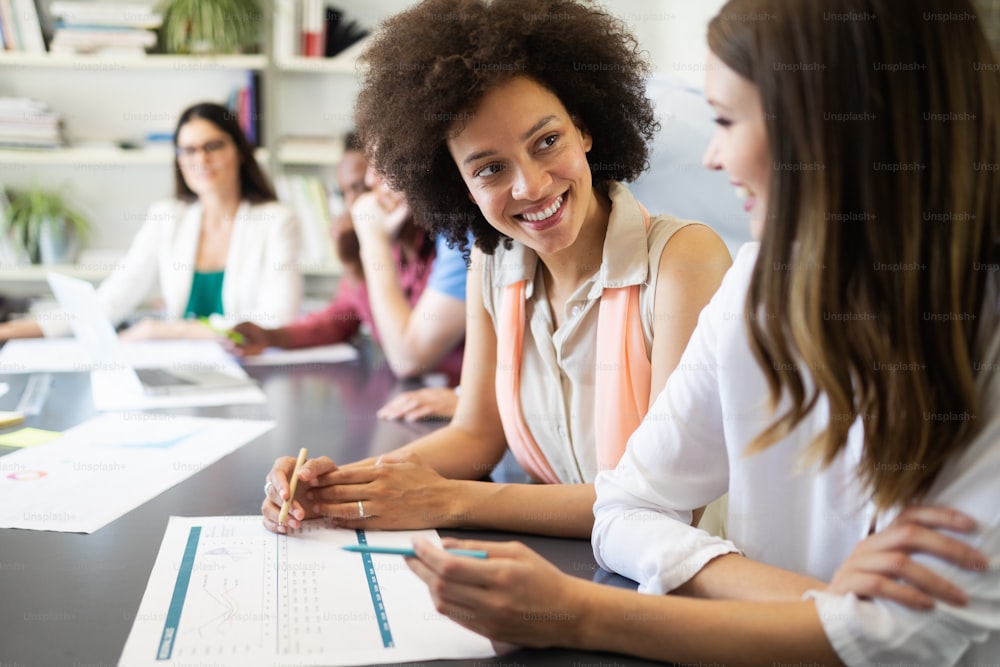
point(210, 148)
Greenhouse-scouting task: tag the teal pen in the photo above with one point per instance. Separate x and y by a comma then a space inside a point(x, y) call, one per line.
point(403, 551)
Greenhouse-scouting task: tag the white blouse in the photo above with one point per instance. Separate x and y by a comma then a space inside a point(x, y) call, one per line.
point(558, 372)
point(783, 511)
point(262, 282)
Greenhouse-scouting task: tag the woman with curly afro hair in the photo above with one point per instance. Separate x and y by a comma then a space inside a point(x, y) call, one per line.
point(514, 123)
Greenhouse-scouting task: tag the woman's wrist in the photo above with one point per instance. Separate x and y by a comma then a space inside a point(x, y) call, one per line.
point(458, 509)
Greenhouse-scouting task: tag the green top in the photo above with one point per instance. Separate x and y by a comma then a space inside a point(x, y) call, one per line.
point(206, 294)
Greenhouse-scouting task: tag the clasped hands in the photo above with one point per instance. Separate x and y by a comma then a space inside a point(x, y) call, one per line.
point(398, 491)
point(395, 492)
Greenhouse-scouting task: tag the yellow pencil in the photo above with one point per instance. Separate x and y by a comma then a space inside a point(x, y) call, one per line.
point(287, 505)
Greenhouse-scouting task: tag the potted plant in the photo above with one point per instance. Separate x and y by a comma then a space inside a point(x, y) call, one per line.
point(40, 226)
point(211, 26)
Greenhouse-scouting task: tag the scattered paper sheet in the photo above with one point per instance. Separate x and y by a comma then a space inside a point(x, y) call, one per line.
point(109, 465)
point(117, 391)
point(226, 590)
point(323, 354)
point(66, 355)
point(28, 437)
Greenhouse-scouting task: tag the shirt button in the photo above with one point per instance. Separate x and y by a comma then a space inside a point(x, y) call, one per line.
point(562, 431)
point(575, 310)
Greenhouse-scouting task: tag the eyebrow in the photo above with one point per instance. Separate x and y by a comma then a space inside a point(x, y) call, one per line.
point(524, 137)
point(717, 104)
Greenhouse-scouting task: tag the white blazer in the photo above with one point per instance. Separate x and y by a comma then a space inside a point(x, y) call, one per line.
point(262, 283)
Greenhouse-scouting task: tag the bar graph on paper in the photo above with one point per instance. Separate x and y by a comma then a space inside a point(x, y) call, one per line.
point(225, 590)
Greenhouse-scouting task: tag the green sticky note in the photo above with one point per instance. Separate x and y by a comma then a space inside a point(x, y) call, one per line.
point(28, 437)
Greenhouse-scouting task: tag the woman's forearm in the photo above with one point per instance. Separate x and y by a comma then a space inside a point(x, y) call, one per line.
point(732, 576)
point(684, 630)
point(559, 510)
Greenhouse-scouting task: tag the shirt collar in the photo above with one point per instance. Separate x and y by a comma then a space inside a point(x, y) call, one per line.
point(625, 259)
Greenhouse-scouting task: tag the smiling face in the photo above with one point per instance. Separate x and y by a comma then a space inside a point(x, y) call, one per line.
point(739, 144)
point(207, 157)
point(524, 162)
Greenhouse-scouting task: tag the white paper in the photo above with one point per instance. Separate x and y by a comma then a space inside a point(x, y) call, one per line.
point(226, 591)
point(322, 354)
point(121, 391)
point(101, 469)
point(63, 355)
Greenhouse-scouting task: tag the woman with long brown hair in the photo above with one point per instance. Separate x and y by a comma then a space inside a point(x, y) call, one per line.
point(221, 246)
point(841, 386)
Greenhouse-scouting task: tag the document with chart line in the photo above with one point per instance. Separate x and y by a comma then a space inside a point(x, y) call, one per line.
point(225, 591)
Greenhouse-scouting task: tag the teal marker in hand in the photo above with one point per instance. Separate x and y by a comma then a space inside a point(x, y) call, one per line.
point(403, 551)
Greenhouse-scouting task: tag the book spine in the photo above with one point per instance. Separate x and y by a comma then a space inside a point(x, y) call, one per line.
point(312, 28)
point(31, 28)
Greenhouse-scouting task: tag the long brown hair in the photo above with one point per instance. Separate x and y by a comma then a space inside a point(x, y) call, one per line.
point(254, 186)
point(883, 222)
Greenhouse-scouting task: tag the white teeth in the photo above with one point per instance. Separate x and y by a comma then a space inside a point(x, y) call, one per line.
point(742, 191)
point(547, 213)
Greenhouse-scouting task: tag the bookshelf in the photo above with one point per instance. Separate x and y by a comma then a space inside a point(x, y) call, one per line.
point(107, 100)
point(13, 60)
point(112, 99)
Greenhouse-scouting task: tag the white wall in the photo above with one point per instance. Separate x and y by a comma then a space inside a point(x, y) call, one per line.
point(100, 101)
point(672, 31)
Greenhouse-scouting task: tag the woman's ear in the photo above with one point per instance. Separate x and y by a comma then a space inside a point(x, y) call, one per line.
point(585, 136)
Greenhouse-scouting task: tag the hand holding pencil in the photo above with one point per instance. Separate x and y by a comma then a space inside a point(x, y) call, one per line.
point(287, 505)
point(288, 486)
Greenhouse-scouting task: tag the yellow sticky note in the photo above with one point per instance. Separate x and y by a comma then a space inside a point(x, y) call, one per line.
point(8, 418)
point(28, 437)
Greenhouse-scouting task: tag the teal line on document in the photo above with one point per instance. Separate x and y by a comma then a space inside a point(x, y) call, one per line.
point(373, 588)
point(180, 593)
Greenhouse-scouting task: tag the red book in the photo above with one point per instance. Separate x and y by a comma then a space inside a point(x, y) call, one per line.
point(313, 20)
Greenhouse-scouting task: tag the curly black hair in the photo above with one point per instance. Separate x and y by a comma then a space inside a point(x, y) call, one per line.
point(428, 68)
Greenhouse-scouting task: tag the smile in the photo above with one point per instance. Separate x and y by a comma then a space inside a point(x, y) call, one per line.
point(544, 214)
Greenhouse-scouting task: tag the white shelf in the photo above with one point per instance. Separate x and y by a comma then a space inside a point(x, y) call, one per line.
point(36, 273)
point(15, 60)
point(326, 152)
point(345, 62)
point(80, 155)
point(336, 65)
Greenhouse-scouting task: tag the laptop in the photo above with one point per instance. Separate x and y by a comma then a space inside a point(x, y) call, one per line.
point(91, 326)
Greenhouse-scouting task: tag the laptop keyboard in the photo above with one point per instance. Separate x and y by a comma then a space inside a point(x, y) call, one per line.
point(157, 377)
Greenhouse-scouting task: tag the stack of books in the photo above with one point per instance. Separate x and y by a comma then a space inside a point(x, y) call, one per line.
point(245, 103)
point(104, 28)
point(313, 29)
point(20, 27)
point(307, 196)
point(26, 123)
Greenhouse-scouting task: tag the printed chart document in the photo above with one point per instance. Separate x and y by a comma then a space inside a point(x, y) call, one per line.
point(109, 465)
point(225, 591)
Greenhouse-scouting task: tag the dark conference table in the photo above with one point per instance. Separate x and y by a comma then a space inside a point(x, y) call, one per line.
point(69, 599)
